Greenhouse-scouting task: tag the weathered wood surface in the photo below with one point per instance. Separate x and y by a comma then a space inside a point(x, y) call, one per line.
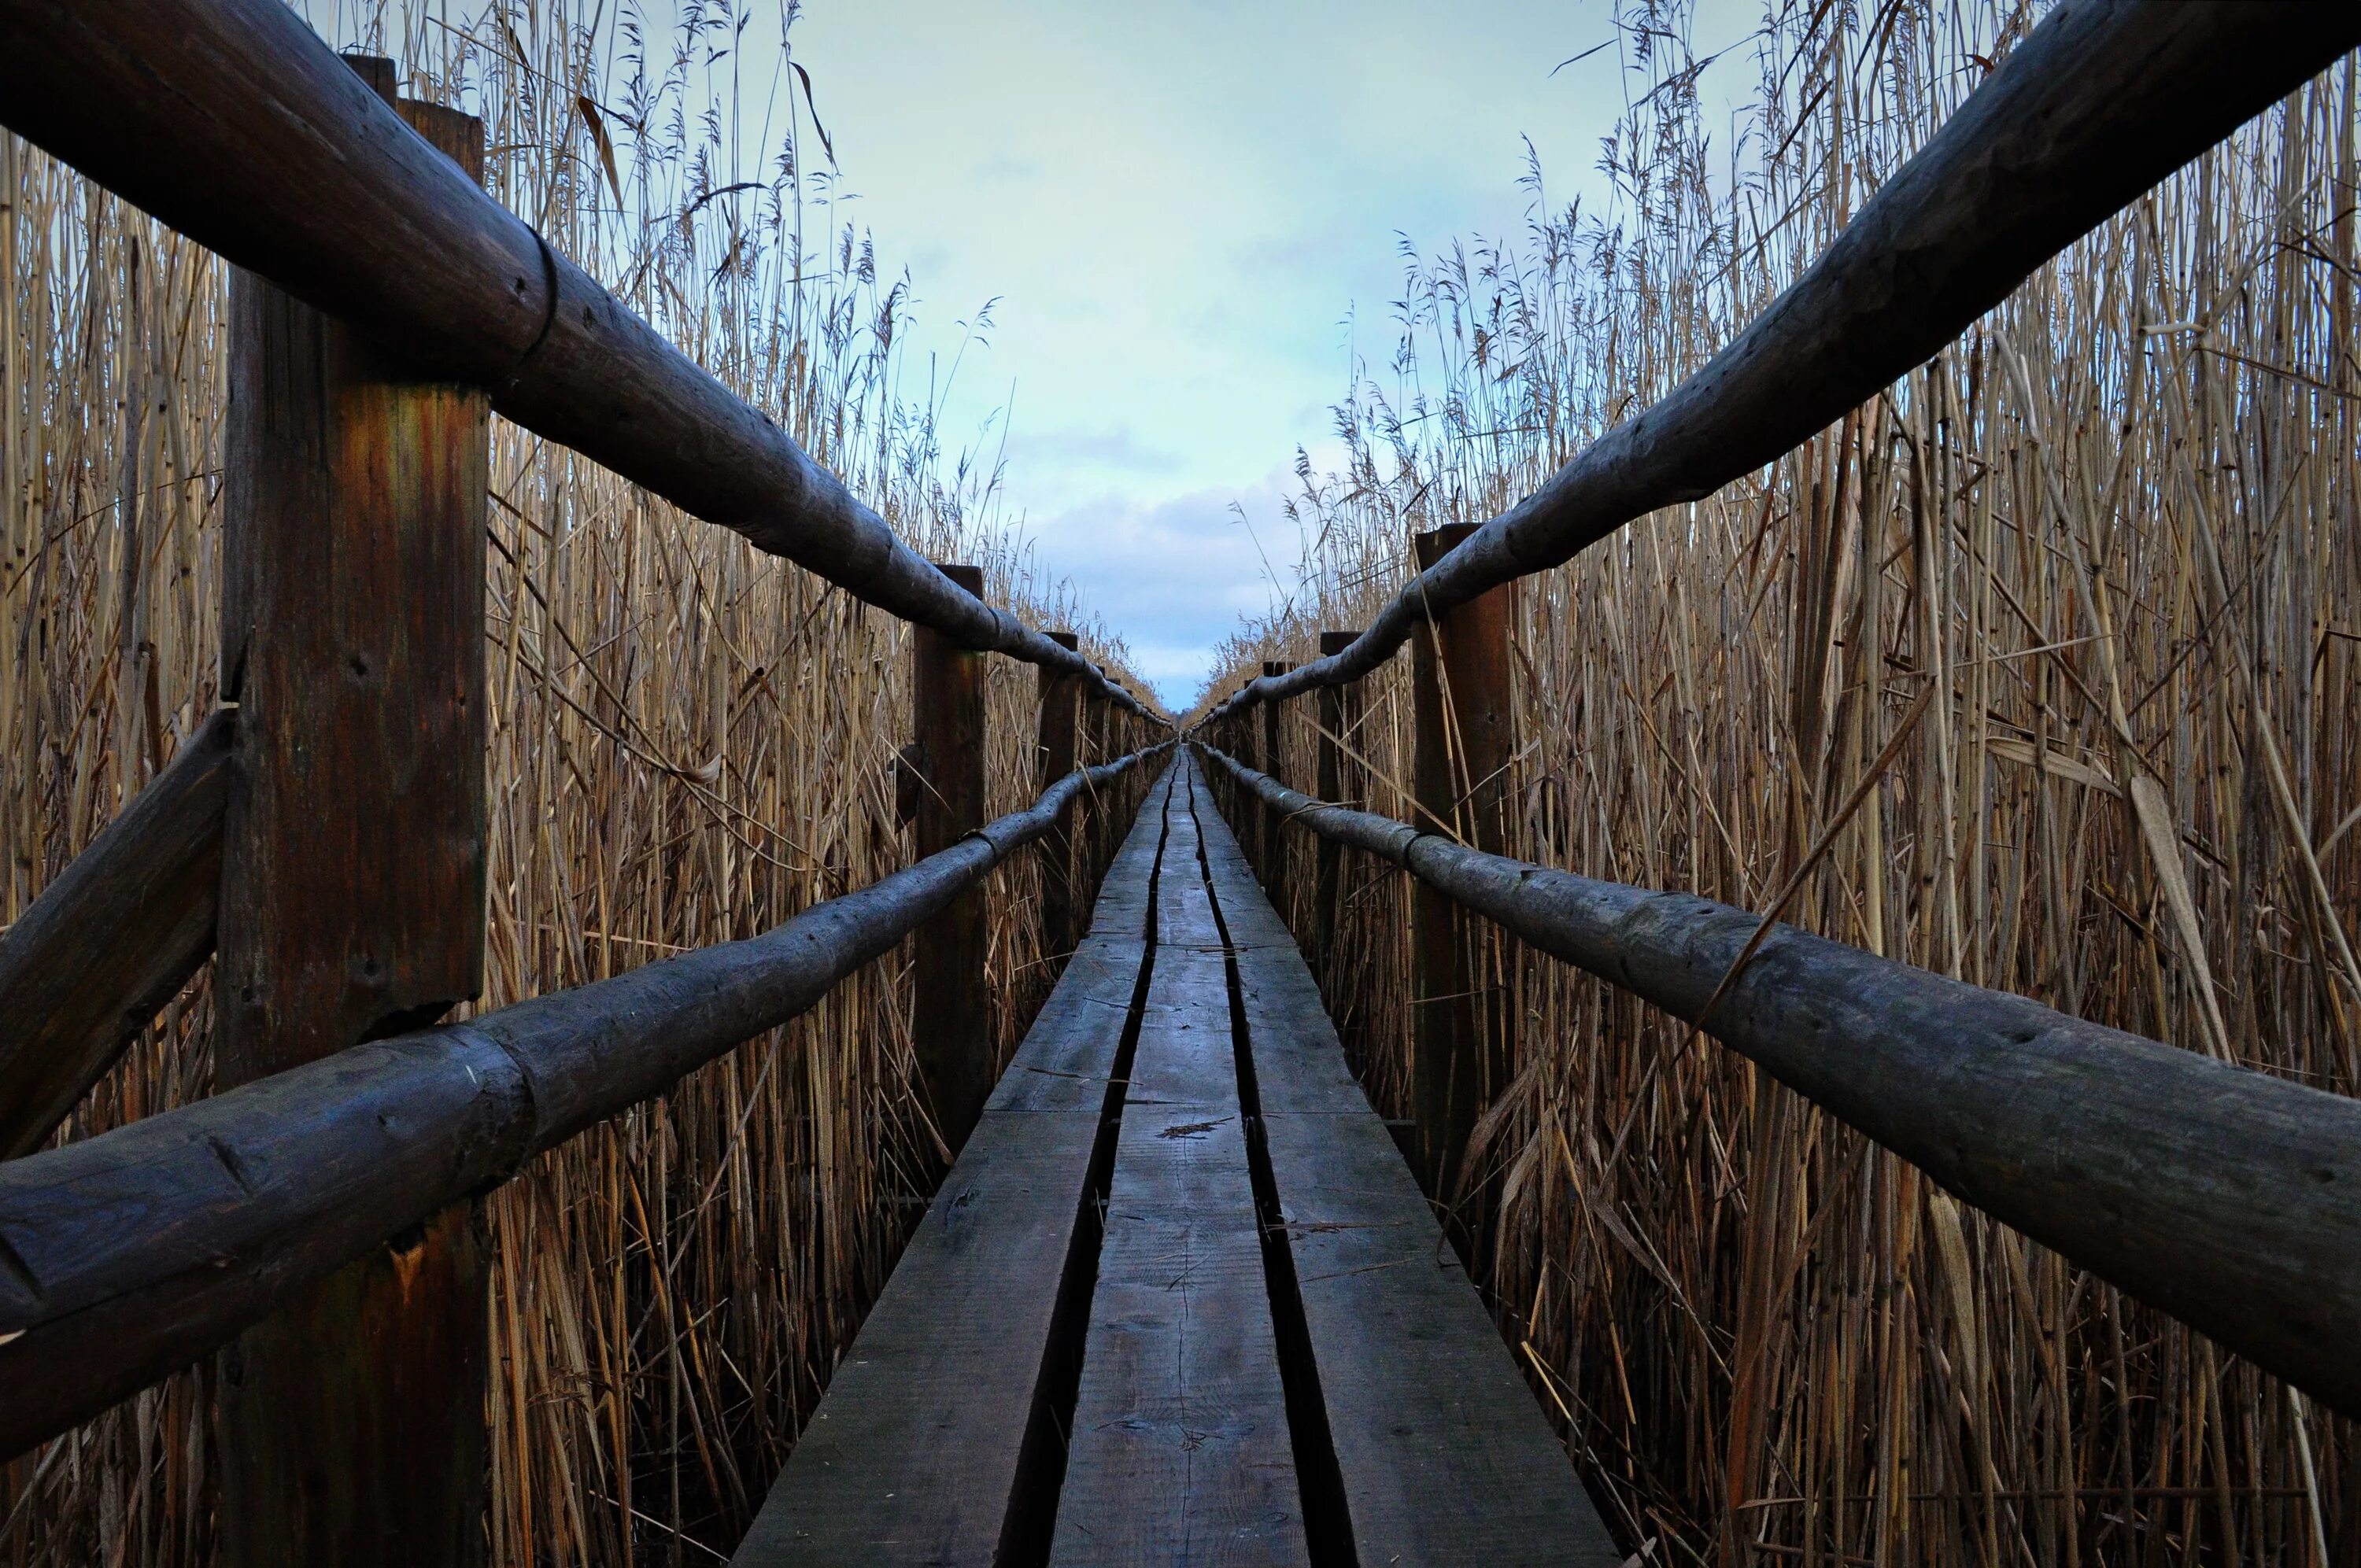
point(1442, 1455)
point(352, 1417)
point(231, 121)
point(1202, 1329)
point(111, 941)
point(1061, 695)
point(1337, 776)
point(1464, 735)
point(1269, 838)
point(2104, 99)
point(1181, 1451)
point(2228, 1197)
point(132, 1253)
point(951, 1014)
point(931, 1444)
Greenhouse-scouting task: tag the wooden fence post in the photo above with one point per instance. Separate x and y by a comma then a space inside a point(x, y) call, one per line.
point(352, 1421)
point(952, 1020)
point(1337, 780)
point(1465, 738)
point(1060, 703)
point(1274, 762)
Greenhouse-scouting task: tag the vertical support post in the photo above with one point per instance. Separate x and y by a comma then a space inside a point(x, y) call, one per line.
point(1340, 716)
point(951, 1024)
point(1274, 762)
point(1465, 738)
point(1062, 695)
point(351, 1422)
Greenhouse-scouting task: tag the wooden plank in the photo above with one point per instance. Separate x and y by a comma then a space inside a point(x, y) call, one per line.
point(1253, 923)
point(1123, 895)
point(1181, 1451)
point(352, 893)
point(112, 939)
point(935, 1428)
point(1445, 1456)
point(913, 1456)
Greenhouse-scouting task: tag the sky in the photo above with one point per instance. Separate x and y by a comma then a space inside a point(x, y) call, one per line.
point(1186, 220)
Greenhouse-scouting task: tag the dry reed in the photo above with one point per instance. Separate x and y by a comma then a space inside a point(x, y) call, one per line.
point(690, 741)
point(2114, 530)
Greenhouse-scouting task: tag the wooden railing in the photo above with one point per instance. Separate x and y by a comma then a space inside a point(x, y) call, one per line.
point(2226, 1197)
point(2101, 101)
point(232, 121)
point(322, 837)
point(133, 1253)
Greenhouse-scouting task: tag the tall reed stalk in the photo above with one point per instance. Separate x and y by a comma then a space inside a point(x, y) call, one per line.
point(2114, 528)
point(689, 743)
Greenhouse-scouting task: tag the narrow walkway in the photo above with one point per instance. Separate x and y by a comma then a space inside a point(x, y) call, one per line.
point(1180, 1235)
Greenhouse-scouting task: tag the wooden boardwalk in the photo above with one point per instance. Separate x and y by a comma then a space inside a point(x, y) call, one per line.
point(1179, 1300)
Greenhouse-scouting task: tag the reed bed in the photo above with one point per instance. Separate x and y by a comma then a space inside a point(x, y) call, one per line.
point(689, 743)
point(2131, 491)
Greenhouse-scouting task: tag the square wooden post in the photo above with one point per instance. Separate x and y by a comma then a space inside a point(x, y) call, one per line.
point(1274, 762)
point(1061, 694)
point(1338, 781)
point(952, 1018)
point(352, 906)
point(1464, 736)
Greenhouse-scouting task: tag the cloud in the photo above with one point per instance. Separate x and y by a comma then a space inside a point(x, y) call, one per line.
point(1178, 208)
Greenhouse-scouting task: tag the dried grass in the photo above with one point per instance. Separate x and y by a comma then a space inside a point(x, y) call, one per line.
point(2114, 529)
point(689, 743)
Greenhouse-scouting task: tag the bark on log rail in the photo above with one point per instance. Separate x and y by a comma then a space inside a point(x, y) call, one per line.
point(134, 1253)
point(2104, 99)
point(2228, 1198)
point(233, 121)
point(111, 941)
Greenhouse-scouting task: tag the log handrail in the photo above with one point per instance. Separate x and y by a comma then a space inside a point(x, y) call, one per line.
point(111, 939)
point(234, 122)
point(2228, 1197)
point(132, 1253)
point(2101, 101)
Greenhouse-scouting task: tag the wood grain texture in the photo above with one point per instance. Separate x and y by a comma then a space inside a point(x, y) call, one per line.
point(1181, 1452)
point(912, 1456)
point(950, 1016)
point(1464, 730)
point(352, 901)
point(1061, 695)
point(115, 937)
point(1337, 776)
point(2100, 101)
point(2228, 1197)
